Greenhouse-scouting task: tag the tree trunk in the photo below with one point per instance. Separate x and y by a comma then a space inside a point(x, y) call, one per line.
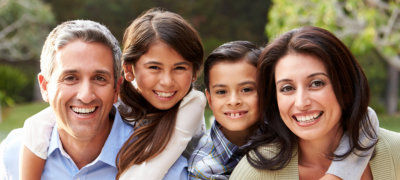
point(392, 90)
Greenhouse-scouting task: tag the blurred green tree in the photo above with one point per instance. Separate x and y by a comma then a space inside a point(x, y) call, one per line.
point(24, 24)
point(370, 28)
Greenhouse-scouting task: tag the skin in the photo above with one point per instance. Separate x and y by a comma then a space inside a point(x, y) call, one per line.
point(309, 108)
point(233, 98)
point(81, 92)
point(162, 75)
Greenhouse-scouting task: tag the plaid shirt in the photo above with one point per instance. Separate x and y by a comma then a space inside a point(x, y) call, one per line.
point(214, 157)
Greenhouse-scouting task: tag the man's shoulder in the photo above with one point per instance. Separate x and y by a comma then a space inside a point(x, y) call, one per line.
point(9, 154)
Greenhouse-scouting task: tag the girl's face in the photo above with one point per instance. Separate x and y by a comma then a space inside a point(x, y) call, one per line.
point(233, 96)
point(306, 99)
point(163, 76)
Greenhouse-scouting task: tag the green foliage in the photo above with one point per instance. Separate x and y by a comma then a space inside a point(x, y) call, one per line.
point(24, 24)
point(217, 21)
point(12, 82)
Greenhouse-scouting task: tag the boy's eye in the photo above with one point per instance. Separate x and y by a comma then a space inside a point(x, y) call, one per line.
point(180, 68)
point(220, 92)
point(317, 84)
point(286, 88)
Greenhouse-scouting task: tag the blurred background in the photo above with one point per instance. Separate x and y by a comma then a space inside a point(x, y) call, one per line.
point(370, 28)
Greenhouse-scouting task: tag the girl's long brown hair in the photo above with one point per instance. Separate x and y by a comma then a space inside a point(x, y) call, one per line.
point(155, 126)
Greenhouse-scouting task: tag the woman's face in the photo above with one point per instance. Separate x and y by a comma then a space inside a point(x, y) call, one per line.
point(163, 76)
point(306, 99)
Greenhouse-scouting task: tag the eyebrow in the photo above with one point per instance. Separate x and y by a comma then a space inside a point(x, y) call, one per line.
point(74, 71)
point(241, 84)
point(309, 76)
point(176, 64)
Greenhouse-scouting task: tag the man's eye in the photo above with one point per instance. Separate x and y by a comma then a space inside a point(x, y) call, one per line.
point(69, 78)
point(100, 78)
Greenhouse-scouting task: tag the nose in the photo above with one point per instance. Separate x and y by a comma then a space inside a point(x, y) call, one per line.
point(303, 100)
point(166, 79)
point(234, 100)
point(86, 92)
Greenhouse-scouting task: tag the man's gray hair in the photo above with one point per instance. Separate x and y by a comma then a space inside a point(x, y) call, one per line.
point(85, 30)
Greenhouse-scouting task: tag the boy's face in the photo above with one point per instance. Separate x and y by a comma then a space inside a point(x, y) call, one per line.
point(233, 96)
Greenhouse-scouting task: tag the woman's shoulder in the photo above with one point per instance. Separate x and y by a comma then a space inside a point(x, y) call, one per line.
point(244, 170)
point(385, 164)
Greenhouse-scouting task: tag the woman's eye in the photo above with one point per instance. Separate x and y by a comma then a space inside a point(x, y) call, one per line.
point(317, 83)
point(286, 88)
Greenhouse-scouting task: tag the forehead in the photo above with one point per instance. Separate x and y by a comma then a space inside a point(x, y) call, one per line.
point(297, 64)
point(84, 56)
point(161, 53)
point(232, 72)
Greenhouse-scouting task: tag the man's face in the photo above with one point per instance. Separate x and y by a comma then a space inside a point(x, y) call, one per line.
point(81, 89)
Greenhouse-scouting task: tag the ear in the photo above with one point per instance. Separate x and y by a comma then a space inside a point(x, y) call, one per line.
point(128, 72)
point(119, 82)
point(194, 78)
point(208, 96)
point(43, 87)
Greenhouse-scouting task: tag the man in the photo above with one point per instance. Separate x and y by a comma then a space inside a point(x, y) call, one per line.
point(80, 65)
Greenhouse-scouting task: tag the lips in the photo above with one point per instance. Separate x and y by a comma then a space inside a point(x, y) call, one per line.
point(84, 111)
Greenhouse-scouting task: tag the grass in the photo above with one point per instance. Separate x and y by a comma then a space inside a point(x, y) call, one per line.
point(15, 117)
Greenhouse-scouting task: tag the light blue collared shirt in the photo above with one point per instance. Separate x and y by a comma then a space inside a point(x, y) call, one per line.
point(60, 166)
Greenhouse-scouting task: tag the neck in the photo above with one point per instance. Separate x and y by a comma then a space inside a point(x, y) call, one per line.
point(317, 153)
point(236, 137)
point(84, 150)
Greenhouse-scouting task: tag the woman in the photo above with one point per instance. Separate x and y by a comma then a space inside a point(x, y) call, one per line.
point(312, 91)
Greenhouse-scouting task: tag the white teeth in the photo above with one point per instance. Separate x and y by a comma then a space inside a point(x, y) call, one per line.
point(164, 94)
point(307, 118)
point(83, 110)
point(234, 115)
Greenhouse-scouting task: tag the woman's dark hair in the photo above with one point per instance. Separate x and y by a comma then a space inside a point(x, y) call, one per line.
point(231, 52)
point(349, 84)
point(156, 126)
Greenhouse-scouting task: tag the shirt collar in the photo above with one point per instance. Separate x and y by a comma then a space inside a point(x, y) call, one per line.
point(223, 146)
point(120, 131)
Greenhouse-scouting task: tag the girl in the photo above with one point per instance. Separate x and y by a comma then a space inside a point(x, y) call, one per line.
point(162, 55)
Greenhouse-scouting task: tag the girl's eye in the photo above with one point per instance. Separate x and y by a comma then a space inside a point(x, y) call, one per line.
point(286, 88)
point(248, 89)
point(154, 67)
point(317, 83)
